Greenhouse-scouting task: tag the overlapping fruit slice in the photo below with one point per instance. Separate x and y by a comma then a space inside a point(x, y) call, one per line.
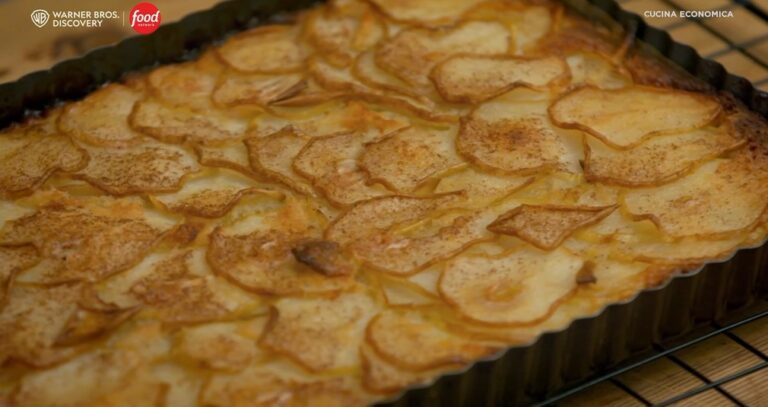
point(223, 346)
point(719, 198)
point(413, 341)
point(529, 23)
point(481, 187)
point(410, 250)
point(177, 124)
point(512, 136)
point(210, 196)
point(546, 226)
point(233, 155)
point(274, 154)
point(655, 161)
point(14, 259)
point(342, 30)
point(146, 167)
point(102, 117)
point(266, 49)
point(474, 79)
point(280, 252)
point(427, 13)
point(260, 90)
point(187, 84)
point(82, 241)
point(408, 158)
point(31, 154)
point(625, 117)
point(412, 53)
point(510, 289)
point(592, 69)
point(379, 214)
point(320, 334)
point(382, 377)
point(31, 321)
point(330, 163)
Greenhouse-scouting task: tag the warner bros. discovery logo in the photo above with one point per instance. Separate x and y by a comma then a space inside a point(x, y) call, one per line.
point(40, 17)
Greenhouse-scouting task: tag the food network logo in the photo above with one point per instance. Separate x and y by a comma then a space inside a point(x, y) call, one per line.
point(144, 18)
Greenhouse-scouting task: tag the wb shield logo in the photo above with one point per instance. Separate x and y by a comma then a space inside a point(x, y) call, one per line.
point(40, 17)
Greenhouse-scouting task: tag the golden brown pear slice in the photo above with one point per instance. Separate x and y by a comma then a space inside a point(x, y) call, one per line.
point(382, 377)
point(209, 196)
point(517, 288)
point(546, 226)
point(102, 118)
point(512, 137)
point(29, 157)
point(14, 259)
point(266, 49)
point(413, 341)
point(320, 334)
point(412, 53)
point(405, 254)
point(339, 33)
point(31, 320)
point(75, 244)
point(719, 198)
point(187, 84)
point(232, 155)
point(259, 90)
point(595, 70)
point(330, 163)
point(222, 345)
point(405, 160)
point(655, 161)
point(381, 213)
point(267, 253)
point(474, 79)
point(428, 13)
point(684, 251)
point(529, 23)
point(481, 187)
point(625, 117)
point(147, 167)
point(273, 156)
point(178, 124)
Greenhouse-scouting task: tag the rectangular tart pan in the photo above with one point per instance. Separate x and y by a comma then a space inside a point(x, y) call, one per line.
point(524, 374)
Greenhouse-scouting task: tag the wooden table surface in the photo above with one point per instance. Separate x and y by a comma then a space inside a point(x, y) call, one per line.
point(740, 43)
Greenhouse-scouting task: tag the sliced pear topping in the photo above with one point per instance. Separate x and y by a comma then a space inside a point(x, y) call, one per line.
point(338, 34)
point(13, 260)
point(273, 156)
point(408, 158)
point(378, 214)
point(102, 117)
point(474, 79)
point(260, 90)
point(546, 226)
point(28, 158)
point(625, 117)
point(426, 12)
point(593, 69)
point(331, 163)
point(382, 377)
point(187, 84)
point(412, 53)
point(522, 287)
point(719, 198)
point(655, 161)
point(416, 342)
point(147, 167)
point(481, 187)
point(528, 23)
point(266, 49)
point(209, 196)
point(320, 334)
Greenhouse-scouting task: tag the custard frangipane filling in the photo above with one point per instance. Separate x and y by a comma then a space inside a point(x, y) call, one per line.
point(332, 211)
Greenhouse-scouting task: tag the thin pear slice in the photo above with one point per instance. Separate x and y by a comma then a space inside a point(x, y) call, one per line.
point(339, 34)
point(623, 118)
point(186, 84)
point(147, 167)
point(13, 260)
point(415, 342)
point(656, 161)
point(474, 79)
point(721, 197)
point(381, 213)
point(223, 346)
point(528, 23)
point(481, 187)
point(102, 118)
point(273, 156)
point(412, 53)
point(588, 68)
point(29, 155)
point(266, 49)
point(432, 13)
point(382, 377)
point(405, 160)
point(331, 164)
point(518, 288)
point(177, 124)
point(320, 334)
point(547, 226)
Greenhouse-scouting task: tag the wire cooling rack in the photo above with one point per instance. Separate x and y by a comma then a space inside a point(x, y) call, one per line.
point(723, 364)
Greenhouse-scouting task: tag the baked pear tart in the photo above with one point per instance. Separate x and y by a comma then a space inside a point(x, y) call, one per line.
point(334, 209)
